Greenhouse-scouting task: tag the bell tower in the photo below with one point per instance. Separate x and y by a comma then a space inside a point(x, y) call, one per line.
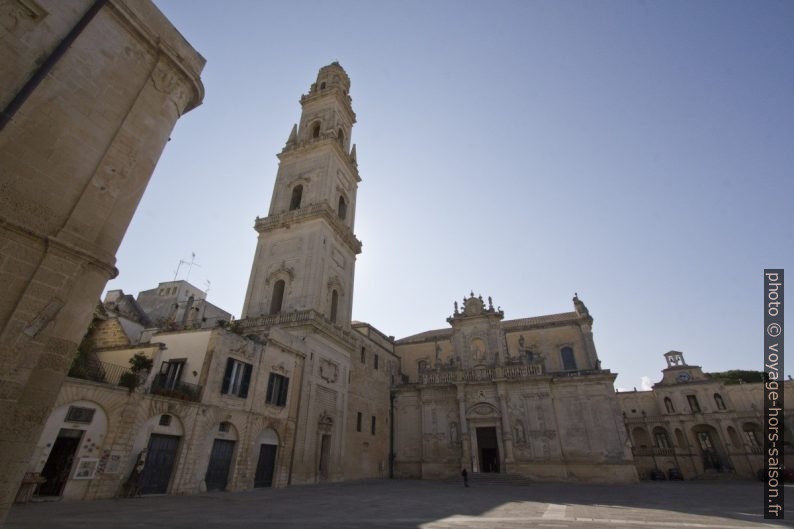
point(306, 250)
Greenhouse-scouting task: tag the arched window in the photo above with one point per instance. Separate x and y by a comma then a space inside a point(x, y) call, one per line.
point(316, 130)
point(297, 195)
point(719, 402)
point(322, 85)
point(278, 297)
point(340, 135)
point(680, 439)
point(668, 404)
point(753, 434)
point(661, 438)
point(334, 303)
point(641, 439)
point(342, 211)
point(422, 366)
point(568, 359)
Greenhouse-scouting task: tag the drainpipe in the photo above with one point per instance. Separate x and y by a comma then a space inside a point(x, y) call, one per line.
point(38, 76)
point(391, 434)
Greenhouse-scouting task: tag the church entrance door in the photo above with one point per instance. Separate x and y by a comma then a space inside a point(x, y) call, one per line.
point(488, 447)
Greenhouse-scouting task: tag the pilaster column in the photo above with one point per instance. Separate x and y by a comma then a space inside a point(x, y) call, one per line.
point(507, 431)
point(466, 459)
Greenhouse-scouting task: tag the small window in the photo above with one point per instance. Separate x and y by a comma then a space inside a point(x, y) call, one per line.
point(165, 420)
point(224, 427)
point(316, 130)
point(236, 378)
point(693, 403)
point(277, 386)
point(342, 211)
point(568, 359)
point(363, 355)
point(278, 297)
point(668, 404)
point(375, 361)
point(719, 402)
point(358, 422)
point(340, 135)
point(322, 85)
point(80, 414)
point(334, 303)
point(297, 195)
point(372, 427)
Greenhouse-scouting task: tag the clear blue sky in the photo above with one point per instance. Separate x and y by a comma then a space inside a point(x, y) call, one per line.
point(638, 153)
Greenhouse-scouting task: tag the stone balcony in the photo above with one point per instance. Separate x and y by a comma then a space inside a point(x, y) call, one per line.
point(312, 211)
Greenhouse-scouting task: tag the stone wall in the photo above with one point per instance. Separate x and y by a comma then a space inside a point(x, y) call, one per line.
point(75, 159)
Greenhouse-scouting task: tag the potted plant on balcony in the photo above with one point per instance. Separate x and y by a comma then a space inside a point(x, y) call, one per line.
point(140, 364)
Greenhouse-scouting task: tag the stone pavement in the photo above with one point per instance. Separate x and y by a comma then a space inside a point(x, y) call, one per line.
point(423, 505)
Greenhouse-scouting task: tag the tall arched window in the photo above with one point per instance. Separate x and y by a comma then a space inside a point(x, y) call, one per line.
point(568, 359)
point(668, 404)
point(316, 130)
point(297, 195)
point(340, 135)
point(719, 402)
point(334, 303)
point(278, 297)
point(661, 438)
point(342, 210)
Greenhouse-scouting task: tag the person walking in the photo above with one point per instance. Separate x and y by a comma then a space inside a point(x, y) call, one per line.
point(465, 477)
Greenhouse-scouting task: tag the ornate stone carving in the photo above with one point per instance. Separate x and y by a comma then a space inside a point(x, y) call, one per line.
point(329, 371)
point(173, 84)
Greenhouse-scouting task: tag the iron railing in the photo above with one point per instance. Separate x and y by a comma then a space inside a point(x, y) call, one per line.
point(175, 389)
point(97, 371)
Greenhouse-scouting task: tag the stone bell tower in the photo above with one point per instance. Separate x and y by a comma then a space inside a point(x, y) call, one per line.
point(306, 251)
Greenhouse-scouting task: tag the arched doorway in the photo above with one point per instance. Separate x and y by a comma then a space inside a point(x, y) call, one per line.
point(710, 445)
point(160, 454)
point(67, 441)
point(217, 477)
point(266, 462)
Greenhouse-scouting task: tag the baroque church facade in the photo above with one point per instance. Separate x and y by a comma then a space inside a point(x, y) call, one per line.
point(296, 392)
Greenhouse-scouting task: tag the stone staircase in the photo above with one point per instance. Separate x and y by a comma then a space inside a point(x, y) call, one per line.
point(493, 478)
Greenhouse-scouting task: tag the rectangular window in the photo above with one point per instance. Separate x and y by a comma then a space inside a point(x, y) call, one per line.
point(277, 390)
point(373, 425)
point(375, 361)
point(236, 378)
point(358, 422)
point(363, 356)
point(693, 403)
point(78, 414)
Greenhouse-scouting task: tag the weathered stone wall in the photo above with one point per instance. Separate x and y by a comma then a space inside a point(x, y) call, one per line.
point(74, 161)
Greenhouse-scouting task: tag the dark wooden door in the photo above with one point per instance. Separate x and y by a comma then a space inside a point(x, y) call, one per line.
point(489, 449)
point(160, 458)
point(220, 462)
point(265, 466)
point(59, 464)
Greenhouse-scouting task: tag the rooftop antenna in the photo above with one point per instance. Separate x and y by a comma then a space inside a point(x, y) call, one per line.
point(190, 264)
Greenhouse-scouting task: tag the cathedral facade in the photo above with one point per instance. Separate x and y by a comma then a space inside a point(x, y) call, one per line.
point(526, 397)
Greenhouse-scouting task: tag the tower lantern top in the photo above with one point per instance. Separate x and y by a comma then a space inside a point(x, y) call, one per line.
point(330, 77)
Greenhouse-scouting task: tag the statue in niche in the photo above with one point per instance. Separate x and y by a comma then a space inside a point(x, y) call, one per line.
point(438, 355)
point(453, 432)
point(520, 433)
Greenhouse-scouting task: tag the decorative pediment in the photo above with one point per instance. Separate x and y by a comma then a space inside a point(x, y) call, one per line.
point(279, 368)
point(282, 272)
point(483, 409)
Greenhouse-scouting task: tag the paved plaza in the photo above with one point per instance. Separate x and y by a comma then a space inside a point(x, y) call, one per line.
point(422, 505)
